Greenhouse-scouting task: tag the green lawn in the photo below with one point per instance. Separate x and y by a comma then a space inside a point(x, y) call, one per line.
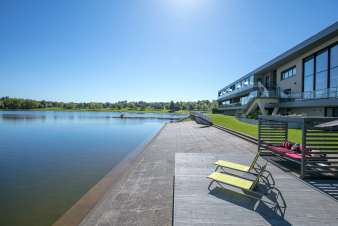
point(232, 123)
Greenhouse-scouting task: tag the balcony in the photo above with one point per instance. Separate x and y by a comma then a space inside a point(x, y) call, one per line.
point(247, 100)
point(225, 95)
point(310, 95)
point(233, 106)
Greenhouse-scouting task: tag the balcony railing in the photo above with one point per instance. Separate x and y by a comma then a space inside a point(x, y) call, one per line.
point(259, 87)
point(294, 96)
point(244, 88)
point(231, 105)
point(253, 95)
point(310, 95)
point(269, 93)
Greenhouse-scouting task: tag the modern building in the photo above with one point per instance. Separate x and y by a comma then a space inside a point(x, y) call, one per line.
point(302, 81)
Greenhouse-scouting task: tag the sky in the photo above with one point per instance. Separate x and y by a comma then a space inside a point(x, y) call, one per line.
point(150, 50)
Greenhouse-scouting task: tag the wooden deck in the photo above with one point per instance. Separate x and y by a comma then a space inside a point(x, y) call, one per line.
point(143, 195)
point(298, 202)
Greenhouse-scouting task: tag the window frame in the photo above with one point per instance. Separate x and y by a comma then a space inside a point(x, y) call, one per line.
point(314, 56)
point(288, 70)
point(329, 62)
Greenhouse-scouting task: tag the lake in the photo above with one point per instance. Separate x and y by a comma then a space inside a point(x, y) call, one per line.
point(48, 160)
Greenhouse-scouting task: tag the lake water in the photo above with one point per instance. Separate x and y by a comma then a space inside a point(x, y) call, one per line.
point(48, 160)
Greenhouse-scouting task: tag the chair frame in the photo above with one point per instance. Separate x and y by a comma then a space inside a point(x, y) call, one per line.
point(251, 167)
point(254, 184)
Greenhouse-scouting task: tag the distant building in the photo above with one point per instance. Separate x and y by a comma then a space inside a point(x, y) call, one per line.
point(303, 80)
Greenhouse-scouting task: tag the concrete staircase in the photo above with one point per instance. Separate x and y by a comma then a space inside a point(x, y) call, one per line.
point(262, 103)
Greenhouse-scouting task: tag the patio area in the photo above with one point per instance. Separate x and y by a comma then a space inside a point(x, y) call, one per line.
point(144, 193)
point(297, 203)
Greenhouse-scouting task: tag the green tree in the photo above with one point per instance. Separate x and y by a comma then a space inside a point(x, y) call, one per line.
point(172, 106)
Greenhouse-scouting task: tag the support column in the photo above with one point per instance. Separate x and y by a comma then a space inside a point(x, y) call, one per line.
point(275, 110)
point(261, 107)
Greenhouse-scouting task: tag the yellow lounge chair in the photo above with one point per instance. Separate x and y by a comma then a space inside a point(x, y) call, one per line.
point(225, 179)
point(236, 166)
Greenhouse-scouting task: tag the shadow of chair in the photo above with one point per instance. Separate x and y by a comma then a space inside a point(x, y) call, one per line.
point(268, 179)
point(270, 204)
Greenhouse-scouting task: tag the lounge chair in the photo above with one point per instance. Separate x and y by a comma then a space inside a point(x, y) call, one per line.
point(236, 166)
point(247, 185)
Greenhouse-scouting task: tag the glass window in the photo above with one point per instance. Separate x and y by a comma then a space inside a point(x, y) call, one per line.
point(334, 56)
point(321, 70)
point(321, 80)
point(288, 73)
point(308, 83)
point(238, 85)
point(251, 80)
point(321, 61)
point(308, 66)
point(294, 71)
point(334, 77)
point(287, 91)
point(334, 66)
point(246, 82)
point(332, 112)
point(308, 74)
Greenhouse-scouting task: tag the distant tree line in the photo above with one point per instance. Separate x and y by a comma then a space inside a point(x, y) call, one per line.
point(19, 103)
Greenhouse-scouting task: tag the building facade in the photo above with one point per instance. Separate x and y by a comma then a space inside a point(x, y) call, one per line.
point(301, 81)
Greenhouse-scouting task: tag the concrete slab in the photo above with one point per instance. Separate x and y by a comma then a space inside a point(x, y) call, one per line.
point(144, 194)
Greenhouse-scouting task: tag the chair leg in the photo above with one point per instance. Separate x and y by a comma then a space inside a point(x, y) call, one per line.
point(210, 184)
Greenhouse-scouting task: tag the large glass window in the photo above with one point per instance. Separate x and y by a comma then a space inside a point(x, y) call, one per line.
point(324, 71)
point(321, 74)
point(334, 66)
point(308, 74)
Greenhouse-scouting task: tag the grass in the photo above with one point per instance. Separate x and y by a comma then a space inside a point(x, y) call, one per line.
point(232, 123)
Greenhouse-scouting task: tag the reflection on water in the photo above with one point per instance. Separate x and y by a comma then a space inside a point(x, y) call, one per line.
point(21, 117)
point(40, 115)
point(48, 160)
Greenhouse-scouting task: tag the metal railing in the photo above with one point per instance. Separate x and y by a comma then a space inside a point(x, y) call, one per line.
point(310, 95)
point(257, 94)
point(259, 87)
point(244, 88)
point(232, 105)
point(270, 93)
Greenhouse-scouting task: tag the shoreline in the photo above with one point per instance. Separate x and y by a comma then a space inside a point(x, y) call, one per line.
point(98, 110)
point(77, 212)
point(166, 116)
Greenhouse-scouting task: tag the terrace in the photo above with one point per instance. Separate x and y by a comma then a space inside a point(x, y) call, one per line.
point(318, 98)
point(167, 185)
point(290, 201)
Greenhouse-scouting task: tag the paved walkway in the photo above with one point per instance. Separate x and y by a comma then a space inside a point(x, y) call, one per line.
point(144, 195)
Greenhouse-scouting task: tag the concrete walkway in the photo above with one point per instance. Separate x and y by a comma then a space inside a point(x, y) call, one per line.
point(298, 203)
point(144, 195)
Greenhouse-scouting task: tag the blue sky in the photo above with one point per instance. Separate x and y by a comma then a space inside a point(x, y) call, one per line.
point(151, 50)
